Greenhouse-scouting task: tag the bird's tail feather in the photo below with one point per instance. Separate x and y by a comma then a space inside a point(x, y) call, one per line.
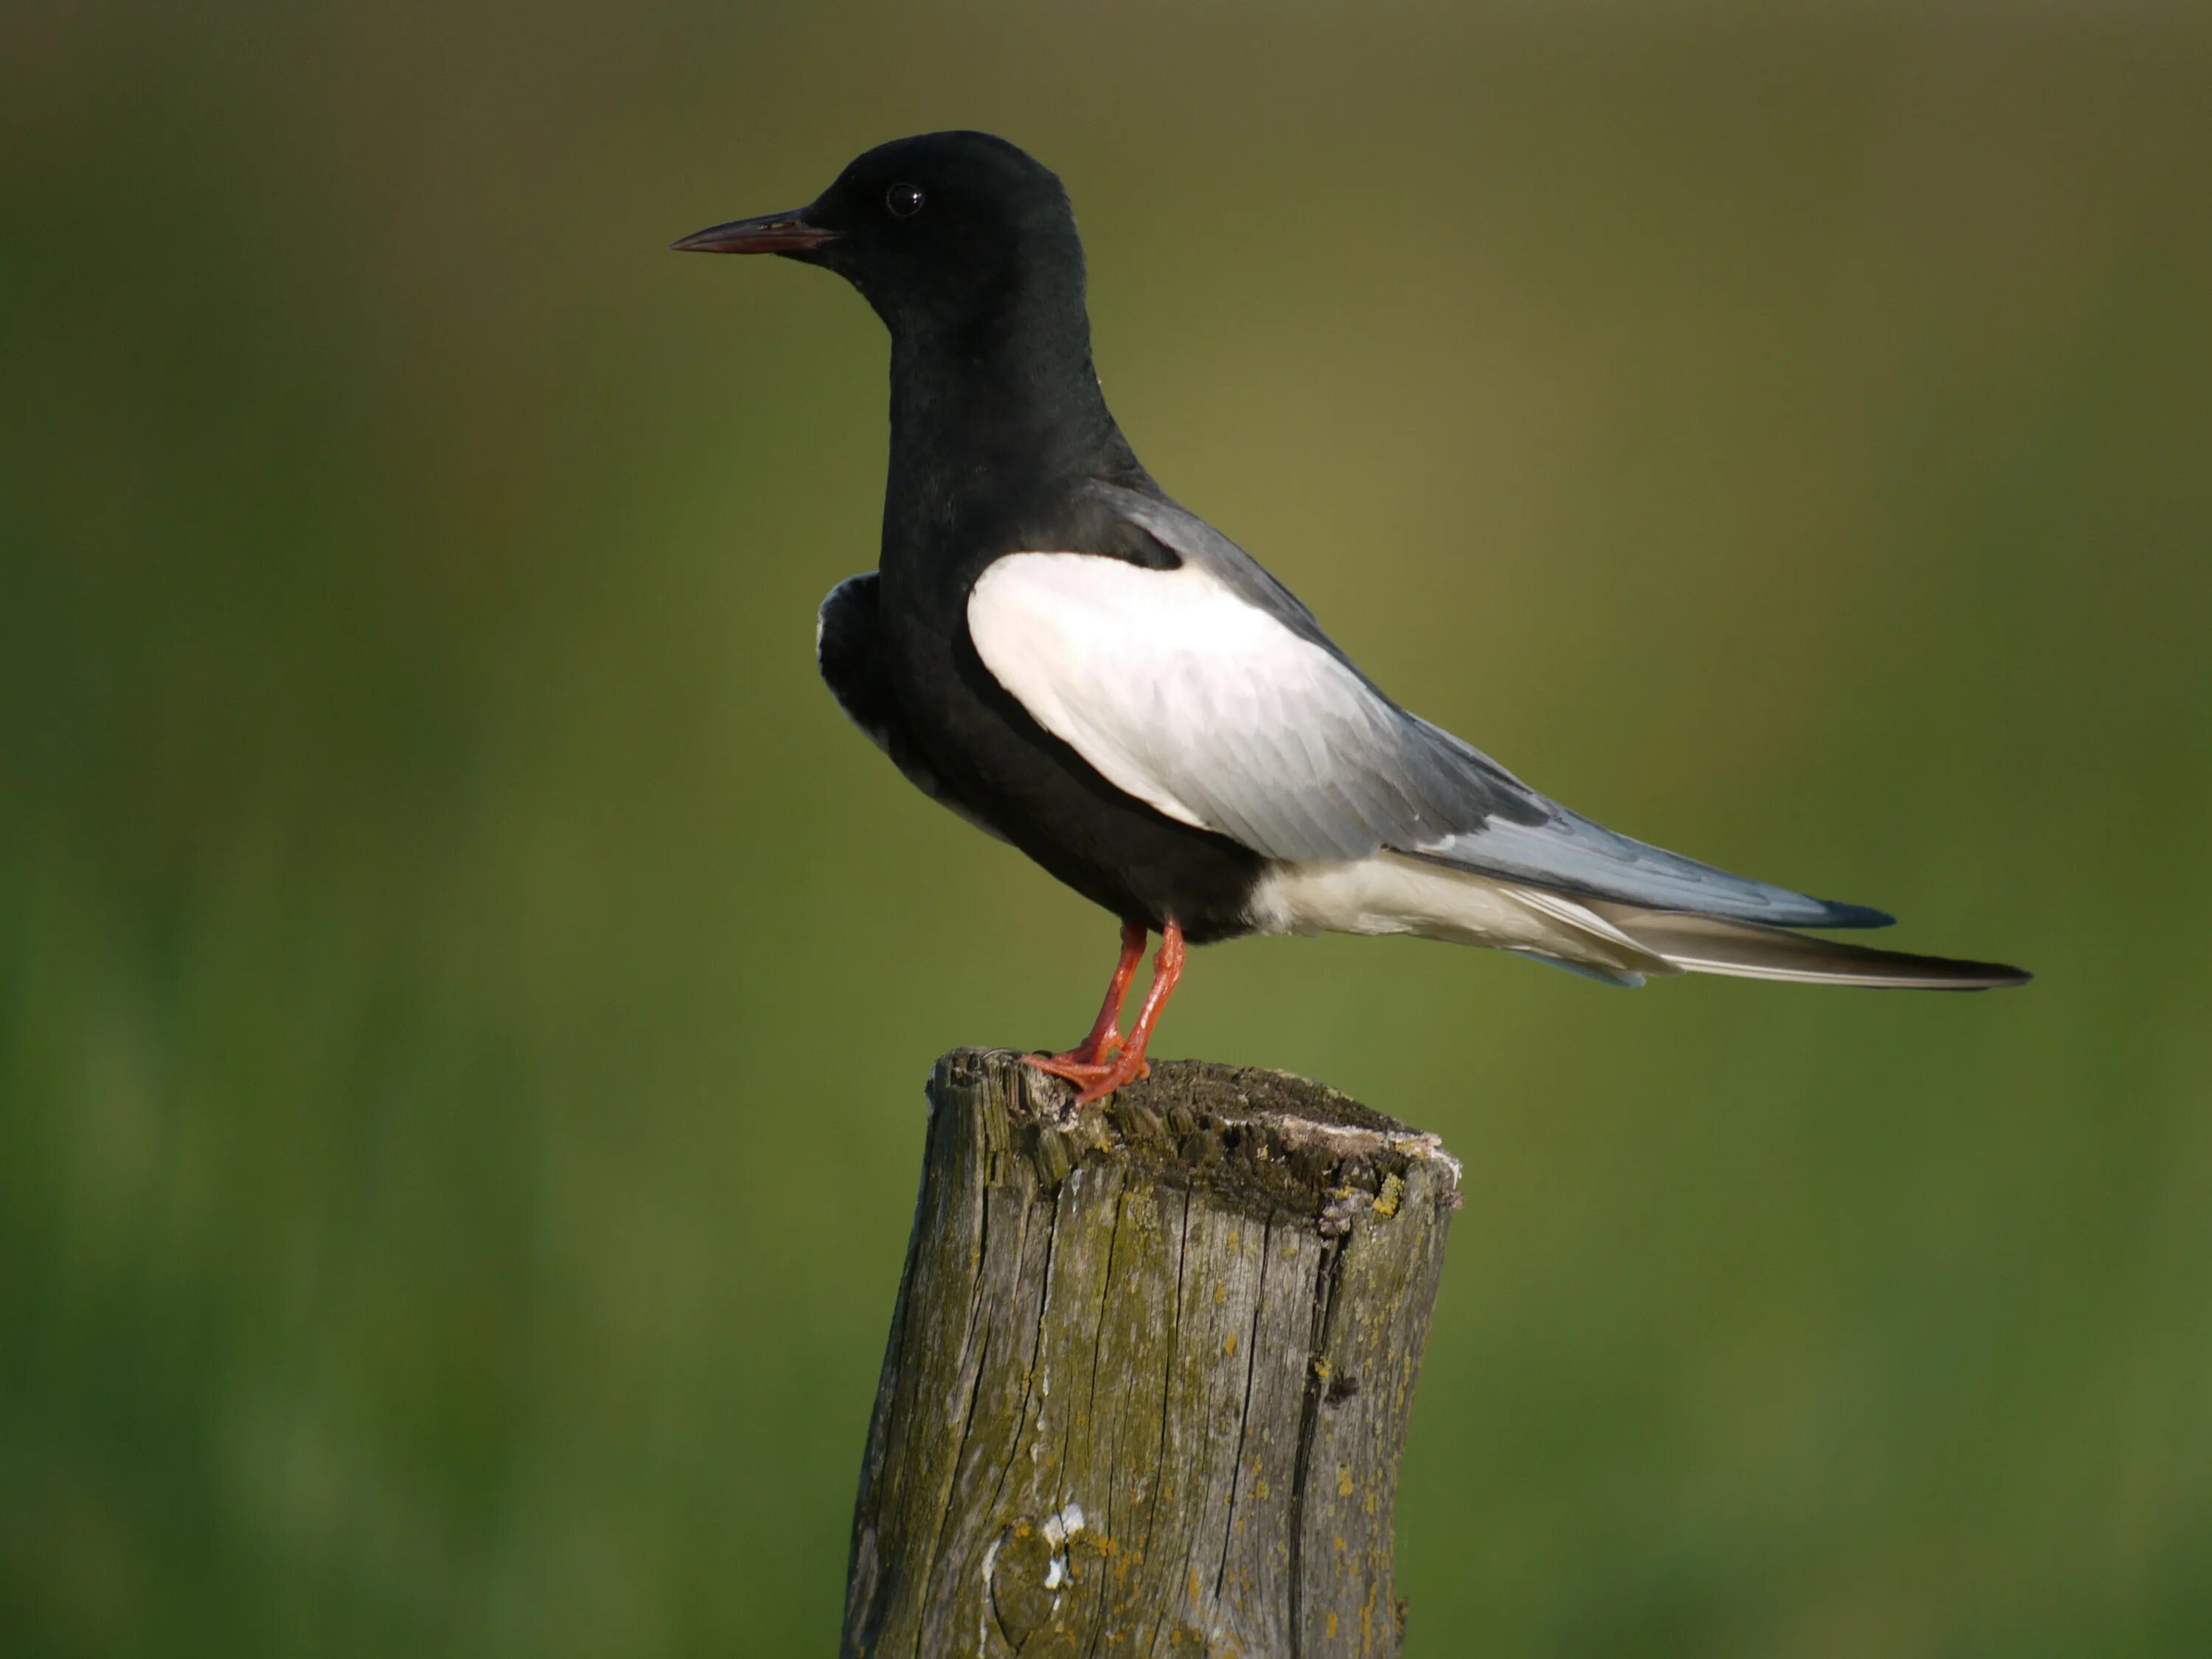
point(1747, 949)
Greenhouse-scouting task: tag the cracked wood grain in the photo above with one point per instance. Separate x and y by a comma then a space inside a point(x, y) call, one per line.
point(1149, 1371)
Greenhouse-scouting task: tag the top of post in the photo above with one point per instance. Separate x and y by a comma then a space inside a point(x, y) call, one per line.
point(1266, 1140)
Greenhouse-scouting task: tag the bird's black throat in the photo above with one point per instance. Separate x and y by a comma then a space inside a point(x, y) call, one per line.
point(997, 421)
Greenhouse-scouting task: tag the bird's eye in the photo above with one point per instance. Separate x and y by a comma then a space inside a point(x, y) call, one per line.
point(904, 200)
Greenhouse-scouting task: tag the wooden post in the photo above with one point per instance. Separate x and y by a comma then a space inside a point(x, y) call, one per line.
point(1149, 1376)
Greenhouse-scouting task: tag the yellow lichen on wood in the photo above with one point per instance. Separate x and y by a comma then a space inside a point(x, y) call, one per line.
point(1387, 1200)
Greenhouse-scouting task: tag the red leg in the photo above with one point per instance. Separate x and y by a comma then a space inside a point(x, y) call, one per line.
point(1106, 1031)
point(1096, 1080)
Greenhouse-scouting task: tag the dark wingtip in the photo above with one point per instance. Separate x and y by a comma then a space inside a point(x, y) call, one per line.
point(1854, 915)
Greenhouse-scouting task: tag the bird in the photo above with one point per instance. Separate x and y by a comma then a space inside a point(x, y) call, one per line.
point(1056, 649)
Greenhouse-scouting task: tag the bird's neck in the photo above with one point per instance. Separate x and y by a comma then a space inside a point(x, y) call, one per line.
point(992, 417)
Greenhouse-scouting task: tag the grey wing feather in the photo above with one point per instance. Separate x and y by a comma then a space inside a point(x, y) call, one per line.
point(1571, 854)
point(1378, 777)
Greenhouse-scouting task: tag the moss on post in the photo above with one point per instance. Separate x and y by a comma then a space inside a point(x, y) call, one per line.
point(1150, 1371)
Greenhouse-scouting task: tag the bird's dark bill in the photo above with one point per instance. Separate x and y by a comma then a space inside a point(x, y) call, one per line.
point(771, 233)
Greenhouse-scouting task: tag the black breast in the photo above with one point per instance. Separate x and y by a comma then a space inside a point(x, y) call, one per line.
point(979, 745)
point(848, 649)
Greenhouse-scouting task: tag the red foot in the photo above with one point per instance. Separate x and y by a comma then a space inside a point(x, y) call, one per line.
point(1092, 1082)
point(1094, 1075)
point(1106, 1030)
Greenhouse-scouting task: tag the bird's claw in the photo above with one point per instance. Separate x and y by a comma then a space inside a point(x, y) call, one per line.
point(1094, 1081)
point(1092, 1054)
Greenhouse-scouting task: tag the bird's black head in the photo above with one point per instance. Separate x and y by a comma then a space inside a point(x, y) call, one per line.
point(967, 249)
point(944, 234)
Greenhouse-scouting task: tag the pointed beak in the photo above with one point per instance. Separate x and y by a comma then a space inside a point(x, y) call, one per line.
point(772, 233)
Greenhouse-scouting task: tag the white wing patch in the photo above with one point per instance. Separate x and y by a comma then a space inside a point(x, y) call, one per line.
point(1185, 695)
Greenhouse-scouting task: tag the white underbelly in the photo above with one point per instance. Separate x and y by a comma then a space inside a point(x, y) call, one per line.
point(1391, 893)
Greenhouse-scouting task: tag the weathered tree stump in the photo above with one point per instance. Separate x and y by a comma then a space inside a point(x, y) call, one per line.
point(1149, 1376)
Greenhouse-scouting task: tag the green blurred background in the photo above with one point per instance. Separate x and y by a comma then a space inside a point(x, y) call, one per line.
point(465, 992)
